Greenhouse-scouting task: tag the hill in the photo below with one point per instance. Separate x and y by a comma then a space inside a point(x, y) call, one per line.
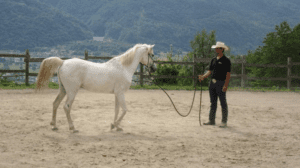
point(240, 24)
point(30, 23)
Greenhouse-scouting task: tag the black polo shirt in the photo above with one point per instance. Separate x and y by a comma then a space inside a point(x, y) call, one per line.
point(219, 68)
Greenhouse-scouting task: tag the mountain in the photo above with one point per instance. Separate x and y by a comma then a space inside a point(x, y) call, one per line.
point(242, 25)
point(30, 23)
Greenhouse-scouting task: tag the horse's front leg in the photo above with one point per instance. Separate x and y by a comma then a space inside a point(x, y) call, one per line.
point(117, 109)
point(121, 102)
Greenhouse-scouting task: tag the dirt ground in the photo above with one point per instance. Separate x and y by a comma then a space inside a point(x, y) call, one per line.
point(263, 131)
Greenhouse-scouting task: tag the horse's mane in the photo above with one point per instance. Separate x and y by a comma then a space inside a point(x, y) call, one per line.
point(127, 58)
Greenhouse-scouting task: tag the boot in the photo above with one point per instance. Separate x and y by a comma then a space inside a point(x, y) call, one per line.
point(210, 123)
point(223, 125)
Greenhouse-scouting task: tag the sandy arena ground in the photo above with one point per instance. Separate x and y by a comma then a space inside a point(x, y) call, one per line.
point(263, 131)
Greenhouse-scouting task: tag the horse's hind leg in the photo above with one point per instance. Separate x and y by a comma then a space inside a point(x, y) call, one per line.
point(67, 108)
point(56, 103)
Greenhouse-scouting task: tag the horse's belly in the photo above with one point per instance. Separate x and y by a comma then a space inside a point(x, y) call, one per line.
point(105, 80)
point(99, 86)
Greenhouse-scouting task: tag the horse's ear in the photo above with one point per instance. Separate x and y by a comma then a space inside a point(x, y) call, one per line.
point(152, 46)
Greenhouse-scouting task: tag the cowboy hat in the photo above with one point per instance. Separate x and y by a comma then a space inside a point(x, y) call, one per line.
point(220, 44)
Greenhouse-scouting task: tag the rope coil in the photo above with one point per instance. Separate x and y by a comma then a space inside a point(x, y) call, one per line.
point(173, 102)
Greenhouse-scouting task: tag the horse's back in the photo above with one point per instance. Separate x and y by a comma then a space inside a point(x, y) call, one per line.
point(96, 77)
point(103, 77)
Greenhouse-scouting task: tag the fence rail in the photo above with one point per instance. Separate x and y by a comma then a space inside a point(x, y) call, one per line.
point(26, 60)
point(244, 77)
point(12, 55)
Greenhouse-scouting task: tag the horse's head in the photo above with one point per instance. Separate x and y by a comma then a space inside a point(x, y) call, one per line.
point(147, 58)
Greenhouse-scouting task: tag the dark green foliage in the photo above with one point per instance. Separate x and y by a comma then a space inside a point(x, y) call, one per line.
point(201, 47)
point(5, 82)
point(186, 70)
point(169, 70)
point(240, 24)
point(278, 46)
point(29, 23)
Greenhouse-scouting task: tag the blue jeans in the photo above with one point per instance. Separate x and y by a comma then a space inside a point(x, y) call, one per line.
point(215, 91)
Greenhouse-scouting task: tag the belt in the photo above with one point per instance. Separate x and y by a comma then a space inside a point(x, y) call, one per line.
point(215, 81)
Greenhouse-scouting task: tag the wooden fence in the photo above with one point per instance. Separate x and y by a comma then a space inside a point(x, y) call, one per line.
point(27, 60)
point(244, 77)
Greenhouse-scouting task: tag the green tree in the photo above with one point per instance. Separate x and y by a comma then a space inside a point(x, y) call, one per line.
point(295, 53)
point(202, 43)
point(201, 46)
point(278, 46)
point(186, 71)
point(236, 69)
point(296, 41)
point(169, 70)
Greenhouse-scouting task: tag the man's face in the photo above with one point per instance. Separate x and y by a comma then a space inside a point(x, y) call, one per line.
point(219, 50)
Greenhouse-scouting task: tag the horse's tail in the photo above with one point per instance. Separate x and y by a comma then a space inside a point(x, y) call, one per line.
point(47, 69)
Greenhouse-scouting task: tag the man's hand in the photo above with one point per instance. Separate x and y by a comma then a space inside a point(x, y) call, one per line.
point(200, 77)
point(224, 88)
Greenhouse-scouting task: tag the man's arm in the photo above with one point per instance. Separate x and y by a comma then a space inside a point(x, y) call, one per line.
point(227, 79)
point(207, 74)
point(202, 77)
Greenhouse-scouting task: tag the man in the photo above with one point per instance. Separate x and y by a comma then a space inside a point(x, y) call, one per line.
point(220, 68)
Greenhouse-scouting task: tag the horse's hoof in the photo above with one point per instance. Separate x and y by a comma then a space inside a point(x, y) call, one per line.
point(119, 129)
point(54, 128)
point(112, 126)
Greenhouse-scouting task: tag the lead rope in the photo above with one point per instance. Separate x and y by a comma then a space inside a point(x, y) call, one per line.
point(200, 102)
point(173, 103)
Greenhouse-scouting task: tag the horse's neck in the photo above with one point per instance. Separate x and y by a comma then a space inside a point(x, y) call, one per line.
point(132, 67)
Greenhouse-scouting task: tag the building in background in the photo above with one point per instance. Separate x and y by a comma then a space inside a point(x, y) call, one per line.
point(98, 38)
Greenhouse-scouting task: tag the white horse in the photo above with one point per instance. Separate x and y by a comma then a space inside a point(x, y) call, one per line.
point(113, 77)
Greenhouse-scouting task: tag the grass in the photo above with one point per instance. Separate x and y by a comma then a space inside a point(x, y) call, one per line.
point(12, 85)
point(177, 87)
point(258, 89)
point(168, 87)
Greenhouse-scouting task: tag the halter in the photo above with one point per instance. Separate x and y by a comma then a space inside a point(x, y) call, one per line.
point(150, 56)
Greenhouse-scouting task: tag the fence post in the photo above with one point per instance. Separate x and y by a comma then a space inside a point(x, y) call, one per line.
point(27, 67)
point(289, 80)
point(141, 74)
point(86, 54)
point(243, 73)
point(194, 81)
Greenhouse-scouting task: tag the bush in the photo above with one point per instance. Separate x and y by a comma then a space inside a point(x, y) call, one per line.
point(186, 71)
point(178, 70)
point(169, 70)
point(5, 81)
